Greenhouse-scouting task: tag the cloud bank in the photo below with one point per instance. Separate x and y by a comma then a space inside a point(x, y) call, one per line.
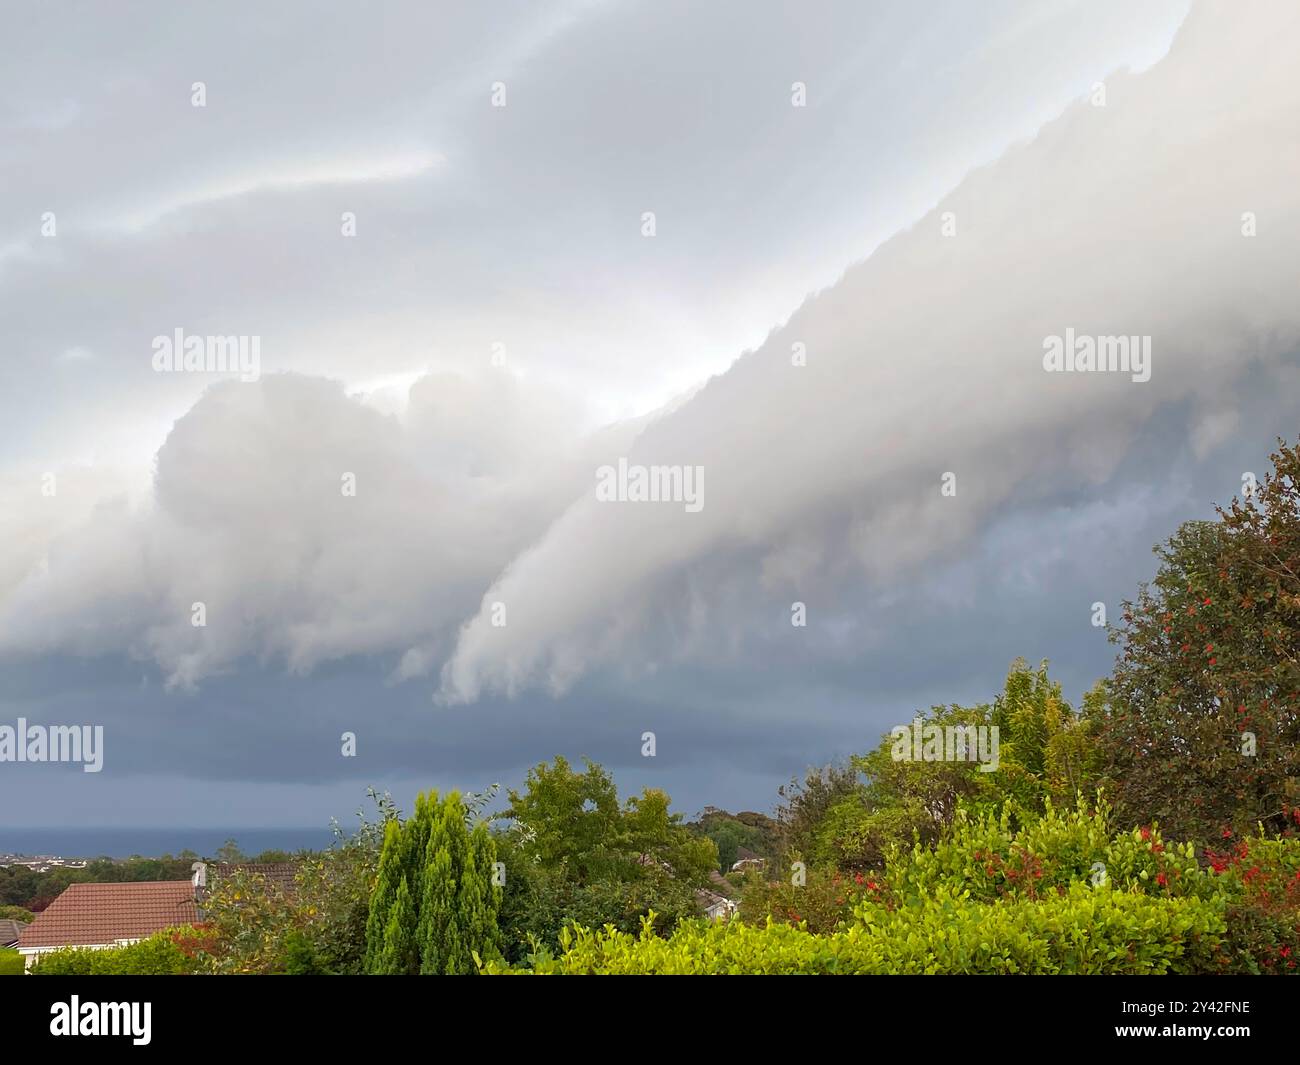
point(478, 487)
point(927, 359)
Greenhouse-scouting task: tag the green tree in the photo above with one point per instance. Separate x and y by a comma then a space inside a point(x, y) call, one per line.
point(252, 926)
point(805, 804)
point(384, 897)
point(1199, 726)
point(851, 817)
point(272, 857)
point(230, 852)
point(434, 905)
point(570, 818)
point(574, 853)
point(729, 832)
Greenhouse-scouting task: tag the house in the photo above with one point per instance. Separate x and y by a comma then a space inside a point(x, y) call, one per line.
point(747, 859)
point(714, 906)
point(107, 915)
point(9, 931)
point(281, 876)
point(113, 915)
point(717, 904)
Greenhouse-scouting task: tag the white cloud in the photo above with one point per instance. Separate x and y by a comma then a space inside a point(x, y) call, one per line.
point(927, 358)
point(475, 486)
point(249, 516)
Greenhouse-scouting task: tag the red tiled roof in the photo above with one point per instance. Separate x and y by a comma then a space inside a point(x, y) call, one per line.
point(280, 875)
point(102, 913)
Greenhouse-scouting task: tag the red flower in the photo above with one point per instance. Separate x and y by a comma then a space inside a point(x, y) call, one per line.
point(1162, 880)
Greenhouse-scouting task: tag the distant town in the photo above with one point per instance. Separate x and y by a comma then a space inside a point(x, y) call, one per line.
point(43, 863)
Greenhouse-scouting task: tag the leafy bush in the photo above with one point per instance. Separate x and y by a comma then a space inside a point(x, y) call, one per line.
point(158, 955)
point(1086, 931)
point(985, 858)
point(1064, 893)
point(248, 918)
point(852, 820)
point(1261, 879)
point(253, 927)
point(11, 963)
point(539, 902)
point(821, 904)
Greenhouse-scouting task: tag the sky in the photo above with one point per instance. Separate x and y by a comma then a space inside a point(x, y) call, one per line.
point(485, 250)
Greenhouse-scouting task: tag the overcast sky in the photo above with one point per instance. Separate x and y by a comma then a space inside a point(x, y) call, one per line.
point(457, 304)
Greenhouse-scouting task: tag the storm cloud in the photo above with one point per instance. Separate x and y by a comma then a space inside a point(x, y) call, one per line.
point(841, 305)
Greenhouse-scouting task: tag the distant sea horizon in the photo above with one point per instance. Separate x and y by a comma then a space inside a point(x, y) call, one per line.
point(156, 842)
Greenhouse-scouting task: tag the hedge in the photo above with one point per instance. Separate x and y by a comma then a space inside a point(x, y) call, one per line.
point(156, 956)
point(1088, 930)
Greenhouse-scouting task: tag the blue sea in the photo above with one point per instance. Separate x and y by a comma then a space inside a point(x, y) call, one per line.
point(155, 842)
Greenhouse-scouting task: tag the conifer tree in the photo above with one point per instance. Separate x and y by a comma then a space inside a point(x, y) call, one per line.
point(434, 906)
point(383, 895)
point(397, 953)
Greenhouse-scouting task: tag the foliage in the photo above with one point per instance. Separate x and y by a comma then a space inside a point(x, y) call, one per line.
point(319, 927)
point(11, 962)
point(539, 902)
point(804, 807)
point(248, 917)
point(573, 853)
point(1210, 653)
point(572, 820)
point(821, 904)
point(1254, 881)
point(753, 831)
point(1261, 878)
point(985, 858)
point(434, 906)
point(16, 913)
point(1086, 931)
point(851, 819)
point(34, 891)
point(159, 955)
point(1065, 893)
